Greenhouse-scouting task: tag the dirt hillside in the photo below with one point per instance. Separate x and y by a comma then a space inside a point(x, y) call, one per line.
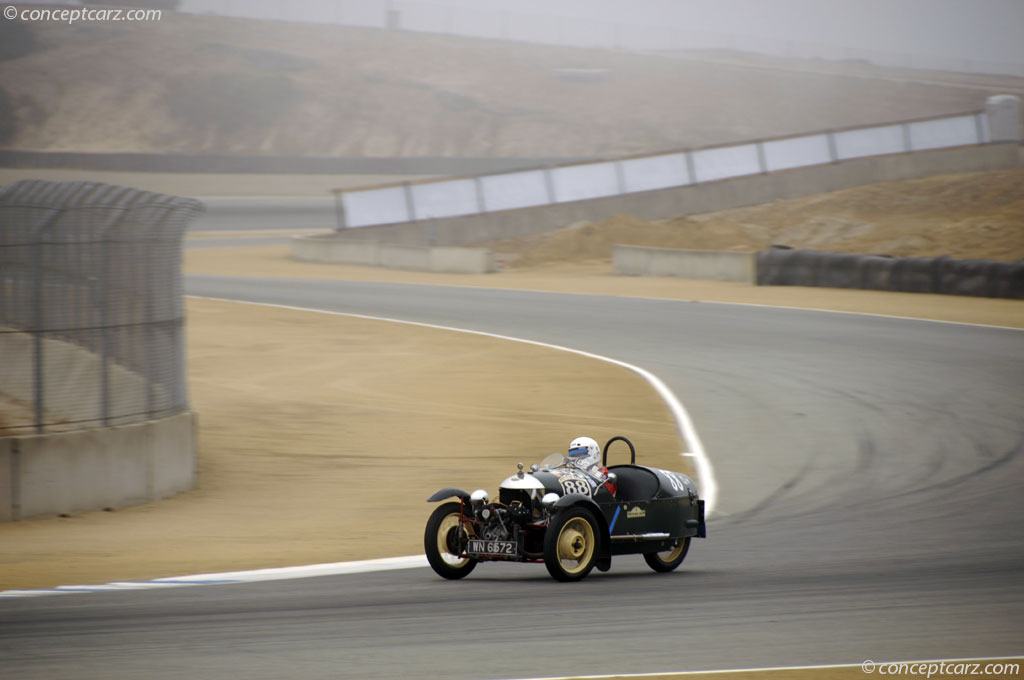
point(971, 215)
point(201, 84)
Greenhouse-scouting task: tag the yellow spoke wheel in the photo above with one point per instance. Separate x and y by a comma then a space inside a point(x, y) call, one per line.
point(571, 544)
point(667, 560)
point(443, 541)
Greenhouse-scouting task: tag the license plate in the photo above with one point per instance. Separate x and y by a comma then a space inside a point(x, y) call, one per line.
point(479, 547)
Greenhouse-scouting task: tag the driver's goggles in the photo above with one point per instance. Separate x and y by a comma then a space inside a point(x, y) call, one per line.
point(578, 451)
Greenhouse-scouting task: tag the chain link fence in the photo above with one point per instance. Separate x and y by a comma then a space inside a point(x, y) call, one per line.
point(91, 315)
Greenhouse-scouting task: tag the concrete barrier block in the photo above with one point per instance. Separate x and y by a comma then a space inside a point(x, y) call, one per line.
point(407, 256)
point(462, 260)
point(86, 470)
point(349, 252)
point(174, 455)
point(718, 265)
point(1005, 121)
point(404, 257)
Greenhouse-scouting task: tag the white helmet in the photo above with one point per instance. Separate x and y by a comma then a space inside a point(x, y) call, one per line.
point(585, 452)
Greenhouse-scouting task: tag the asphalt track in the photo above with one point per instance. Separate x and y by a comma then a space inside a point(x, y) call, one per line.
point(870, 476)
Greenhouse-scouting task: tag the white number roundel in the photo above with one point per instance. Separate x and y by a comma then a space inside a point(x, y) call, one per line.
point(676, 481)
point(573, 485)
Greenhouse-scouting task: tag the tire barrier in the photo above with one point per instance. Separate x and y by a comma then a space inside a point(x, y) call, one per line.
point(783, 266)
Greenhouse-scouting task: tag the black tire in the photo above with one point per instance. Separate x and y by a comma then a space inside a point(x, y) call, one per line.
point(668, 560)
point(440, 538)
point(571, 544)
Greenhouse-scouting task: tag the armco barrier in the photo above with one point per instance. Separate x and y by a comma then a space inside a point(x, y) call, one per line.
point(718, 265)
point(461, 210)
point(942, 275)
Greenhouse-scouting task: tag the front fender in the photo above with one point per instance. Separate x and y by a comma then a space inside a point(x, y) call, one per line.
point(448, 492)
point(571, 499)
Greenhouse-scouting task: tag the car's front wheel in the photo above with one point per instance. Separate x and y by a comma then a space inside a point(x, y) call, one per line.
point(667, 560)
point(571, 544)
point(445, 540)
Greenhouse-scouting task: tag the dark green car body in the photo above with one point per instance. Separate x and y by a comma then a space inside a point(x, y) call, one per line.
point(635, 510)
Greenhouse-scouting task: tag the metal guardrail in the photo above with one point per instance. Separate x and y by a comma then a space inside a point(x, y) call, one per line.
point(91, 315)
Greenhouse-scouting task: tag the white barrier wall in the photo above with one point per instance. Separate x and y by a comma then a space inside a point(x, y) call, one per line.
point(444, 199)
point(797, 152)
point(581, 182)
point(725, 162)
point(376, 206)
point(655, 172)
point(514, 190)
point(568, 183)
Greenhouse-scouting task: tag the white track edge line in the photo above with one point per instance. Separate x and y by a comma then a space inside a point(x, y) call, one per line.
point(707, 483)
point(233, 577)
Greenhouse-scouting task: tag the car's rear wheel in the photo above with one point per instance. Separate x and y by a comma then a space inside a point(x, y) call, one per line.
point(570, 544)
point(667, 560)
point(445, 540)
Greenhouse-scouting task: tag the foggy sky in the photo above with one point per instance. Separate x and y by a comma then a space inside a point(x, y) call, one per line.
point(988, 30)
point(981, 30)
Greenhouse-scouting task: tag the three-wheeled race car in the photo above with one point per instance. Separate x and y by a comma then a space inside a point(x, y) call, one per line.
point(557, 513)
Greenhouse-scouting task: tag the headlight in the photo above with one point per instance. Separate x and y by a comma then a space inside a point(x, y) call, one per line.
point(478, 497)
point(549, 499)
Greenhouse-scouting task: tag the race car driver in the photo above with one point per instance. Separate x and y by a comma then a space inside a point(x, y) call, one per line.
point(585, 453)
